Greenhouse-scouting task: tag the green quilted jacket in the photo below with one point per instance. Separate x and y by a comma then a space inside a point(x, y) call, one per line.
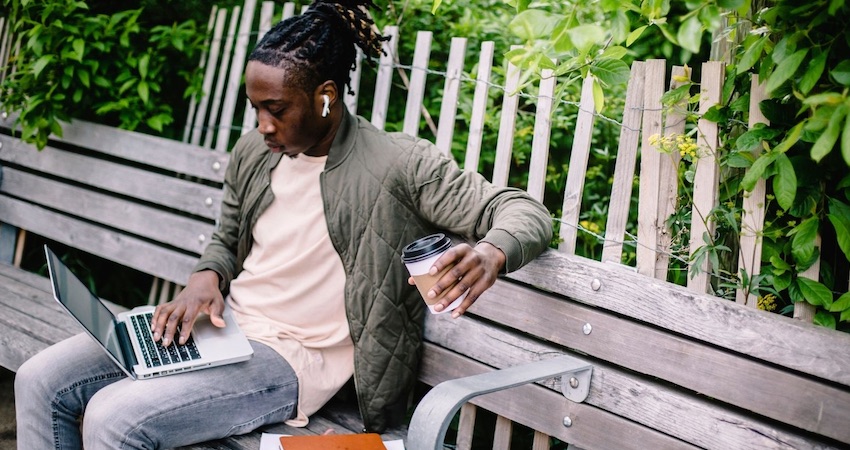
point(381, 191)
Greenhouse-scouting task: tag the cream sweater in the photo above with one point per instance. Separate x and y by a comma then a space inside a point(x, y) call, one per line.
point(290, 294)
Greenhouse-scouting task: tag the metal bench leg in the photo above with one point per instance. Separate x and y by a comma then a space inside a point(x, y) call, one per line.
point(434, 413)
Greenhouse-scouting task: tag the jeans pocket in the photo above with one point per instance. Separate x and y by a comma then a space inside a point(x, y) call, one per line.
point(278, 415)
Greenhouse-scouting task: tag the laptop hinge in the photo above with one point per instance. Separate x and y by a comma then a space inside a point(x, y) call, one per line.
point(126, 345)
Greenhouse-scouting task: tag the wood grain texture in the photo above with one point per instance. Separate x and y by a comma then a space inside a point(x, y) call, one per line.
point(384, 79)
point(163, 226)
point(579, 156)
point(234, 77)
point(706, 177)
point(543, 409)
point(624, 168)
point(146, 185)
point(451, 93)
point(766, 336)
point(616, 387)
point(538, 165)
point(650, 168)
point(416, 90)
point(753, 208)
point(121, 248)
point(213, 121)
point(466, 426)
point(507, 127)
point(479, 106)
point(211, 63)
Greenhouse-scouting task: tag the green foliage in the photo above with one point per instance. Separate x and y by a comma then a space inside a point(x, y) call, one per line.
point(74, 63)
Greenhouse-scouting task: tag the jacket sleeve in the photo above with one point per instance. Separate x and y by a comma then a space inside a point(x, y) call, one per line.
point(465, 203)
point(220, 253)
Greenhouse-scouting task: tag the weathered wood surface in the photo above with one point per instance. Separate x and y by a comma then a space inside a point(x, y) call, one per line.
point(618, 349)
point(775, 339)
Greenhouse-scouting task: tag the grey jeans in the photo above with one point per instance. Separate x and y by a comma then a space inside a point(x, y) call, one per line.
point(71, 395)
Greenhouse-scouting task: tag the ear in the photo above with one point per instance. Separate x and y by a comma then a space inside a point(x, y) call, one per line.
point(327, 88)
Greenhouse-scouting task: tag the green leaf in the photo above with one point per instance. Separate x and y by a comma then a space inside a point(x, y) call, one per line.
point(615, 52)
point(610, 72)
point(730, 4)
point(804, 238)
point(584, 37)
point(813, 72)
point(845, 141)
point(676, 96)
point(779, 263)
point(144, 92)
point(39, 65)
point(791, 139)
point(842, 304)
point(825, 143)
point(598, 96)
point(634, 35)
point(144, 63)
point(533, 24)
point(785, 70)
point(690, 34)
point(751, 55)
point(841, 73)
point(784, 182)
point(845, 315)
point(814, 292)
point(782, 281)
point(835, 5)
point(824, 319)
point(757, 171)
point(842, 229)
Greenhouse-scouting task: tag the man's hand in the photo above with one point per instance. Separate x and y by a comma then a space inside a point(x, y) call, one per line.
point(200, 295)
point(475, 269)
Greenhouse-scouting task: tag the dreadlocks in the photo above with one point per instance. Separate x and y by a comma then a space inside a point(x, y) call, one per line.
point(319, 44)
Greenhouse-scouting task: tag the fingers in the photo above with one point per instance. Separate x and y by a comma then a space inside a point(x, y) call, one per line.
point(470, 270)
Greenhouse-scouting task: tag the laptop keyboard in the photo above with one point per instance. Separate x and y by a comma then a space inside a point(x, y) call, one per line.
point(154, 353)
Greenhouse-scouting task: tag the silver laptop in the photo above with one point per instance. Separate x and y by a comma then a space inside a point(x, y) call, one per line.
point(127, 338)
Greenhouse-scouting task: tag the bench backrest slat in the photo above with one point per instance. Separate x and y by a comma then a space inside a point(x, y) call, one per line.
point(160, 189)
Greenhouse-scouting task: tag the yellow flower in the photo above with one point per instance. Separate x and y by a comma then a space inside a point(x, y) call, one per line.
point(767, 302)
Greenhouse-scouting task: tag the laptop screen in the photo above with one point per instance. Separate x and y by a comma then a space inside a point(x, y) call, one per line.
point(89, 311)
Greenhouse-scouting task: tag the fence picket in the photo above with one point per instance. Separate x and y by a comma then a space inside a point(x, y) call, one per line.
point(752, 216)
point(416, 90)
point(234, 81)
point(479, 106)
point(804, 310)
point(624, 168)
point(193, 102)
point(383, 82)
point(674, 124)
point(451, 92)
point(249, 117)
point(221, 78)
point(542, 134)
point(579, 157)
point(707, 175)
point(507, 123)
point(650, 168)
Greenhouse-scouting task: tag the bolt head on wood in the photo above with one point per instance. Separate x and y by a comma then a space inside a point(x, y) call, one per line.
point(568, 422)
point(587, 328)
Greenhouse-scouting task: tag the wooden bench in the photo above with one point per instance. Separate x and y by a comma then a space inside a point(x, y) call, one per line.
point(672, 367)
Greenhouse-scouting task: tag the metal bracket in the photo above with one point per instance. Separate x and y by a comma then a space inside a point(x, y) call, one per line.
point(432, 416)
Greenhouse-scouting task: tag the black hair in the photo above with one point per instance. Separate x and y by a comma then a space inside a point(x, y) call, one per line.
point(319, 44)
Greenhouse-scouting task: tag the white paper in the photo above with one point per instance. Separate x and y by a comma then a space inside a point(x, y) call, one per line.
point(270, 441)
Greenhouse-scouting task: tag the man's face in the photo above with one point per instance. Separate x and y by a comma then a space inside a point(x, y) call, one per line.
point(289, 118)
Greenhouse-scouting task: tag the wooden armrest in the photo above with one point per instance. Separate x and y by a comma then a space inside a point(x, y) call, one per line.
point(434, 413)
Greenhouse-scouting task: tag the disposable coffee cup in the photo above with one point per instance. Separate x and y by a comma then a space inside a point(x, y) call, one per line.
point(419, 256)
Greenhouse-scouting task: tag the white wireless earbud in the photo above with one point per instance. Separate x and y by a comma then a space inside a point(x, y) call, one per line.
point(326, 109)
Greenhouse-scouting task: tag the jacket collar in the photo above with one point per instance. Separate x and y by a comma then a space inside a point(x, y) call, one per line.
point(340, 148)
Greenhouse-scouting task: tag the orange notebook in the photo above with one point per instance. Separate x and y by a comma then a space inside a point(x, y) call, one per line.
point(367, 441)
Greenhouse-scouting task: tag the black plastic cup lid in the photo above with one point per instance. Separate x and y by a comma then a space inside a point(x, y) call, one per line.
point(425, 247)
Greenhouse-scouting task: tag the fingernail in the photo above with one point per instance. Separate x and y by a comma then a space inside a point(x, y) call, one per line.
point(156, 336)
point(432, 294)
point(165, 342)
point(182, 340)
point(432, 271)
